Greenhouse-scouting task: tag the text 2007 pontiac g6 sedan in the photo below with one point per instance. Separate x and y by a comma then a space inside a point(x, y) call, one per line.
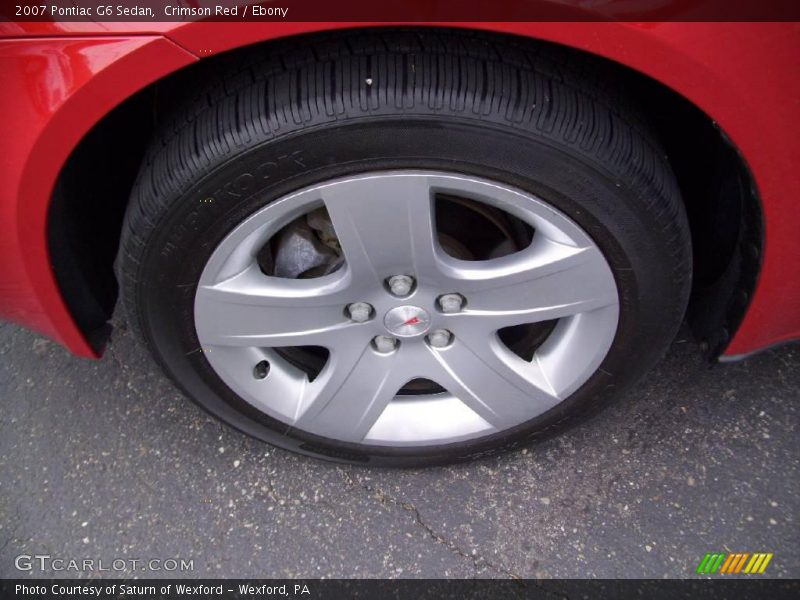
point(405, 244)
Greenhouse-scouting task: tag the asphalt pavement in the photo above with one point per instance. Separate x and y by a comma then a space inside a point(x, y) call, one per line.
point(106, 460)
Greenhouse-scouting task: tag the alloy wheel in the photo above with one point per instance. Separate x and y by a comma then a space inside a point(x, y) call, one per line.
point(400, 308)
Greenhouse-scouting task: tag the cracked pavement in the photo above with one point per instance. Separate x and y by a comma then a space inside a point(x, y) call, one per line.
point(106, 459)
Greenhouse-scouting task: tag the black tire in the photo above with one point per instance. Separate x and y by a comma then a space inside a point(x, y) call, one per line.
point(534, 117)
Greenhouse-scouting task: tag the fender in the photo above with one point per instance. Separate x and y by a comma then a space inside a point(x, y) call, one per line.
point(55, 90)
point(738, 73)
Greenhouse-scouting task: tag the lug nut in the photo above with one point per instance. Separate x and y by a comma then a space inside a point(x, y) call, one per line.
point(400, 285)
point(384, 343)
point(451, 303)
point(359, 311)
point(439, 338)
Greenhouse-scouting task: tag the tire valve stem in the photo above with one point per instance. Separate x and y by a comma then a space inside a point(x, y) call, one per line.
point(261, 370)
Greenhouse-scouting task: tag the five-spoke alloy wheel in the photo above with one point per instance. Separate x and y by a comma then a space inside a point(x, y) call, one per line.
point(378, 342)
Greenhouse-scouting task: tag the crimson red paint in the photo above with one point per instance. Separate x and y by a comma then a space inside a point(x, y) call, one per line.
point(57, 86)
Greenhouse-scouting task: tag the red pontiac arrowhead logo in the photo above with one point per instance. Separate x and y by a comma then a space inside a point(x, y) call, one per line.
point(407, 321)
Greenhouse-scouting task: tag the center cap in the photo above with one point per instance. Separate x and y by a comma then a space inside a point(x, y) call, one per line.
point(407, 321)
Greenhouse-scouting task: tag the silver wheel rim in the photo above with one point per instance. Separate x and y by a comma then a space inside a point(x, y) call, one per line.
point(385, 224)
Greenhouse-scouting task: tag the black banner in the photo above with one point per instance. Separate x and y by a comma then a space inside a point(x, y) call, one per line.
point(410, 589)
point(407, 11)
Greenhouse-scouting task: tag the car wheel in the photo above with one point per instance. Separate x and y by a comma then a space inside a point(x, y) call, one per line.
point(410, 252)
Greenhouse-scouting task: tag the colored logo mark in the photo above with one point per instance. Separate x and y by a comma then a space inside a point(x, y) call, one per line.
point(739, 562)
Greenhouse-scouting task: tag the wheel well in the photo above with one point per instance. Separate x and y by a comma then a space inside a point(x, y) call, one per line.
point(92, 191)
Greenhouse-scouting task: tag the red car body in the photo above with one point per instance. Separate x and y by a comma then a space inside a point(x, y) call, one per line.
point(60, 79)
